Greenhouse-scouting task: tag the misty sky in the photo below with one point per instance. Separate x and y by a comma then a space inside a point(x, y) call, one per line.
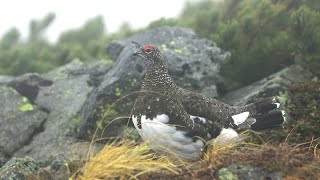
point(73, 13)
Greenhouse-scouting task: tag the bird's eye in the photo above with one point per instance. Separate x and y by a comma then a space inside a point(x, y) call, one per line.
point(148, 51)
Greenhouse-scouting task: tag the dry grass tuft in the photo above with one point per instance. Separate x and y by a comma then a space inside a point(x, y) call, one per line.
point(125, 160)
point(298, 161)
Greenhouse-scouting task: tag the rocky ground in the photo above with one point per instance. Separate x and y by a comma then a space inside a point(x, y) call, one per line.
point(48, 120)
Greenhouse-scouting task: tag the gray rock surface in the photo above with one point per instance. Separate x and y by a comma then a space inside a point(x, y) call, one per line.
point(19, 120)
point(39, 114)
point(5, 79)
point(4, 157)
point(63, 100)
point(29, 84)
point(272, 85)
point(193, 64)
point(23, 169)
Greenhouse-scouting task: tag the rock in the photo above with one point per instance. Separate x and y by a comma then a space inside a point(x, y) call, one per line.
point(5, 79)
point(63, 100)
point(39, 114)
point(29, 84)
point(210, 91)
point(272, 85)
point(193, 64)
point(65, 165)
point(4, 157)
point(96, 70)
point(23, 169)
point(59, 167)
point(19, 120)
point(114, 48)
point(235, 172)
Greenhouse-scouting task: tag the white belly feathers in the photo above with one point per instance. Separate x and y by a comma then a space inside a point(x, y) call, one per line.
point(166, 139)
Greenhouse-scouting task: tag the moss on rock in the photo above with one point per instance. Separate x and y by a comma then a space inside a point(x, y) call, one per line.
point(23, 168)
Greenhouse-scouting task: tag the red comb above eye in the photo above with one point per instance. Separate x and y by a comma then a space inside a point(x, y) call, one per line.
point(148, 47)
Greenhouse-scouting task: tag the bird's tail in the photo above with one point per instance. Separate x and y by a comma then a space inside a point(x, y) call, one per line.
point(262, 114)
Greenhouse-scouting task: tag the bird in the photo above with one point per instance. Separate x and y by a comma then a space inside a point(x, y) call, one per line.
point(179, 122)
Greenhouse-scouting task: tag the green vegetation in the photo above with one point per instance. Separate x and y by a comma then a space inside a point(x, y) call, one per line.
point(36, 54)
point(263, 36)
point(26, 105)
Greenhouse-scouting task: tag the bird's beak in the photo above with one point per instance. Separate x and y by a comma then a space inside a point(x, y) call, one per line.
point(138, 51)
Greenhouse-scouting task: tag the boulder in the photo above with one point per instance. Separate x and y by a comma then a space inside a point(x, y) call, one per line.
point(19, 121)
point(193, 64)
point(273, 85)
point(5, 79)
point(4, 157)
point(62, 100)
point(29, 84)
point(23, 169)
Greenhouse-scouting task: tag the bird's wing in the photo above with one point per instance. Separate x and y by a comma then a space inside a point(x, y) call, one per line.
point(199, 105)
point(154, 105)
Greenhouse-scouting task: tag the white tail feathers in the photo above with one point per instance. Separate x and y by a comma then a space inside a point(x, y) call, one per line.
point(240, 118)
point(284, 115)
point(227, 137)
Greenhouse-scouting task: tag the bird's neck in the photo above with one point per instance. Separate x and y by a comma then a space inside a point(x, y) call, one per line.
point(158, 80)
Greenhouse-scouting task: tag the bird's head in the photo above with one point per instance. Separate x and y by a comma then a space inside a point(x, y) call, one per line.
point(150, 55)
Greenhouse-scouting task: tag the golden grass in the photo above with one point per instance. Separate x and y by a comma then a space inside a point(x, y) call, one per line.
point(293, 160)
point(125, 160)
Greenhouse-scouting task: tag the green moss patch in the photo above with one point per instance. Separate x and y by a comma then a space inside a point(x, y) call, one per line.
point(164, 47)
point(26, 105)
